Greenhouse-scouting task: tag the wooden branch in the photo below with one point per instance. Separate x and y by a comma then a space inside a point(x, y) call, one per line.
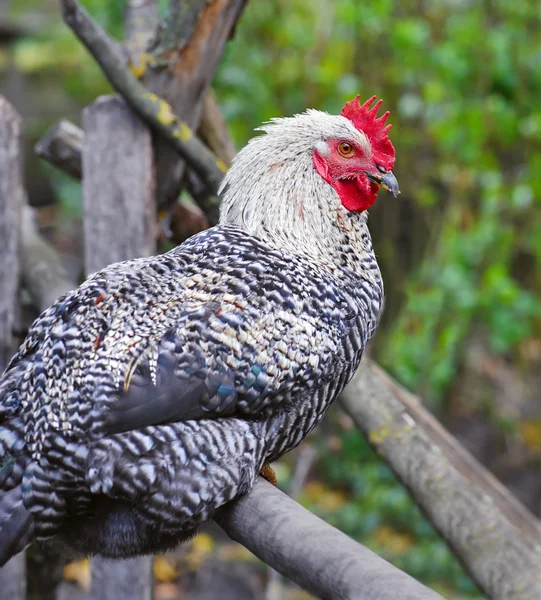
point(181, 69)
point(12, 578)
point(178, 26)
point(315, 555)
point(44, 276)
point(213, 130)
point(214, 133)
point(140, 25)
point(119, 220)
point(154, 110)
point(306, 455)
point(493, 534)
point(62, 146)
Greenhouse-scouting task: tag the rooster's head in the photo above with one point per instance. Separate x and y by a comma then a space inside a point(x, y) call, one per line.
point(309, 174)
point(358, 165)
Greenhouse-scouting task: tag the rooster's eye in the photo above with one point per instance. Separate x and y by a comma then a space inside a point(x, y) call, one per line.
point(345, 149)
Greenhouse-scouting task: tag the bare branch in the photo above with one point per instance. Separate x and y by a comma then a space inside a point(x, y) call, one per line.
point(178, 25)
point(140, 23)
point(44, 276)
point(181, 69)
point(13, 578)
point(140, 26)
point(122, 580)
point(118, 164)
point(493, 534)
point(213, 130)
point(305, 458)
point(315, 555)
point(154, 110)
point(62, 146)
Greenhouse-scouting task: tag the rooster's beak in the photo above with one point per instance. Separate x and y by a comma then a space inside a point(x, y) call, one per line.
point(386, 180)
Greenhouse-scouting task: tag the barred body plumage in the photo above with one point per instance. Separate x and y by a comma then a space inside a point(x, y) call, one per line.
point(147, 398)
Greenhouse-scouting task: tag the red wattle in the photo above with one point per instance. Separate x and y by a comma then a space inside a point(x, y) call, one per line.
point(356, 195)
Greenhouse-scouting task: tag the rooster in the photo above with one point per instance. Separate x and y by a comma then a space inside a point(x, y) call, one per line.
point(159, 389)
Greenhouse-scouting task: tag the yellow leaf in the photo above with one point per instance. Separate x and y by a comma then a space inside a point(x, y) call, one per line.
point(203, 543)
point(164, 571)
point(318, 493)
point(392, 540)
point(314, 489)
point(200, 548)
point(236, 552)
point(79, 573)
point(530, 433)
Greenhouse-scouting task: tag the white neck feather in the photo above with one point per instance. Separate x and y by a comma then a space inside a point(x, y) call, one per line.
point(273, 192)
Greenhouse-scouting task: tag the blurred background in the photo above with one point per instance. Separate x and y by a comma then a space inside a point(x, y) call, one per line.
point(459, 249)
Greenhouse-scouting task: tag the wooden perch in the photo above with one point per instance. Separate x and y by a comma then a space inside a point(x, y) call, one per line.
point(153, 109)
point(311, 552)
point(493, 534)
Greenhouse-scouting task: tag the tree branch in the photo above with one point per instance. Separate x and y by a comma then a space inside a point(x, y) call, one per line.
point(62, 146)
point(213, 130)
point(44, 276)
point(493, 534)
point(154, 110)
point(177, 26)
point(140, 24)
point(315, 555)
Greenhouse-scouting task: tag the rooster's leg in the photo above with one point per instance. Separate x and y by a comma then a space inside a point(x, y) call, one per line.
point(267, 472)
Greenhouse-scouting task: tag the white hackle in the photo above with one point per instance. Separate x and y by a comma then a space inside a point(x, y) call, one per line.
point(274, 192)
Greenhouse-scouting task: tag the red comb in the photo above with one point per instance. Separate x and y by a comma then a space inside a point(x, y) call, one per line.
point(366, 120)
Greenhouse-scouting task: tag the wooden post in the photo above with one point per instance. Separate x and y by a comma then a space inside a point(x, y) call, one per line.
point(12, 576)
point(118, 185)
point(119, 224)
